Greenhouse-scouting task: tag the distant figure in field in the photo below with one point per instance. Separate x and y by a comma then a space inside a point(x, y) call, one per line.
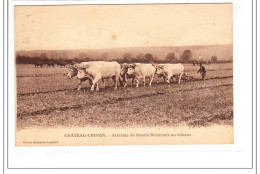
point(202, 71)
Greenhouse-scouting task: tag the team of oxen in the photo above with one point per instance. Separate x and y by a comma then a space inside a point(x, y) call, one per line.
point(50, 63)
point(96, 71)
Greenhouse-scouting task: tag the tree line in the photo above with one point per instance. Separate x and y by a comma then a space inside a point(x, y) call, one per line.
point(185, 57)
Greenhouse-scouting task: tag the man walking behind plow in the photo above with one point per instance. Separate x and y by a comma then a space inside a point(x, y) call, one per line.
point(202, 71)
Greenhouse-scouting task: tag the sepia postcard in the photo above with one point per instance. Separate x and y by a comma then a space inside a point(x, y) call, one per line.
point(153, 74)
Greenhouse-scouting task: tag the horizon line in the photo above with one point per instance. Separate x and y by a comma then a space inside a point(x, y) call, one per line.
point(121, 47)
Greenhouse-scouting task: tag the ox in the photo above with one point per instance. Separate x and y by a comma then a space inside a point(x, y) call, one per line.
point(73, 73)
point(38, 64)
point(142, 71)
point(123, 72)
point(98, 70)
point(170, 70)
point(50, 64)
point(61, 64)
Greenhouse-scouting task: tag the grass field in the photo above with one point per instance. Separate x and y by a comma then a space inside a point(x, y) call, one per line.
point(47, 98)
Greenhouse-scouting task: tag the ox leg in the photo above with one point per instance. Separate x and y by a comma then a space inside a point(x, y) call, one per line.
point(132, 83)
point(137, 82)
point(97, 88)
point(116, 82)
point(164, 79)
point(94, 84)
point(80, 82)
point(144, 80)
point(180, 78)
point(121, 80)
point(104, 83)
point(151, 80)
point(125, 79)
point(90, 82)
point(157, 81)
point(169, 79)
point(114, 79)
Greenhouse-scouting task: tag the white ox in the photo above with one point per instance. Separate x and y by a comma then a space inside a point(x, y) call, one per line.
point(142, 71)
point(170, 70)
point(124, 75)
point(98, 70)
point(73, 73)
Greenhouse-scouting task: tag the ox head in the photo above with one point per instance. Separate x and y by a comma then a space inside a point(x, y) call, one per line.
point(123, 68)
point(131, 69)
point(81, 73)
point(72, 72)
point(159, 69)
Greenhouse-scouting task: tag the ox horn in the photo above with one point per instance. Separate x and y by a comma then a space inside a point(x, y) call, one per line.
point(155, 65)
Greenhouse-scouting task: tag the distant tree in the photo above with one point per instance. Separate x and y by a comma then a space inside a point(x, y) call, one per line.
point(76, 60)
point(155, 58)
point(104, 55)
point(214, 59)
point(186, 55)
point(170, 57)
point(43, 56)
point(127, 57)
point(139, 58)
point(82, 56)
point(148, 57)
point(64, 54)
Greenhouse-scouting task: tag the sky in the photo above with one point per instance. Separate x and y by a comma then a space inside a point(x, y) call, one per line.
point(110, 26)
